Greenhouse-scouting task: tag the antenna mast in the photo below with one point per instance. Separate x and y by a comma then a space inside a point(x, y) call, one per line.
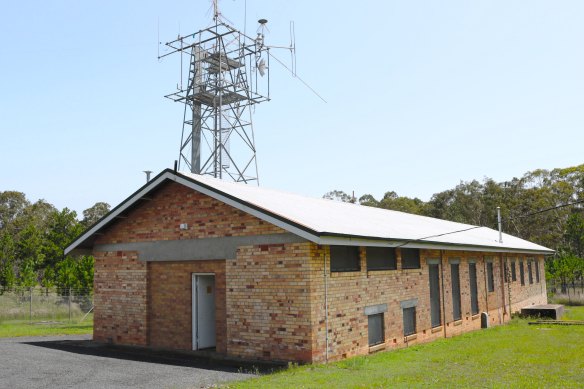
point(228, 74)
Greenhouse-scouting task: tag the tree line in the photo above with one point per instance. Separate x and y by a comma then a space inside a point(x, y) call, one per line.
point(542, 206)
point(33, 237)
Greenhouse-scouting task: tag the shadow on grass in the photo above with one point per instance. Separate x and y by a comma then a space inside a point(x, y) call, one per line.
point(199, 360)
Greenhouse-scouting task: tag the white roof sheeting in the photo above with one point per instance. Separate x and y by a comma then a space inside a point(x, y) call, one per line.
point(332, 222)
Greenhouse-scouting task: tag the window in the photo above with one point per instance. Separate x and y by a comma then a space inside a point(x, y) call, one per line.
point(513, 271)
point(345, 258)
point(435, 316)
point(529, 270)
point(410, 258)
point(381, 258)
point(455, 275)
point(536, 264)
point(474, 300)
point(376, 329)
point(409, 321)
point(521, 272)
point(490, 277)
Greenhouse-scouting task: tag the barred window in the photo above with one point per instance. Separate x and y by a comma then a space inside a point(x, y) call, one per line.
point(409, 321)
point(345, 258)
point(474, 300)
point(410, 258)
point(490, 277)
point(455, 278)
point(376, 329)
point(381, 258)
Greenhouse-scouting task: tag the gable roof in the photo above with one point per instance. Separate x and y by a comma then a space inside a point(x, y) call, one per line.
point(326, 221)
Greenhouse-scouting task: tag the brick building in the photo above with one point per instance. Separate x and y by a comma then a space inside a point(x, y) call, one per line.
point(191, 262)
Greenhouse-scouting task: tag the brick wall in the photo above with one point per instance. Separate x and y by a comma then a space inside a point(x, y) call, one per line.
point(170, 303)
point(350, 292)
point(120, 299)
point(528, 294)
point(139, 303)
point(268, 302)
point(159, 218)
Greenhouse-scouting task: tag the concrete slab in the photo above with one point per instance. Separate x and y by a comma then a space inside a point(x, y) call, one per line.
point(551, 311)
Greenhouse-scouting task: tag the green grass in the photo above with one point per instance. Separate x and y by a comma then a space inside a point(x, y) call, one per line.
point(514, 355)
point(17, 328)
point(573, 313)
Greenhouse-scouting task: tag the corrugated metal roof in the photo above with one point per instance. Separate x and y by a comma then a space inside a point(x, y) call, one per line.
point(330, 222)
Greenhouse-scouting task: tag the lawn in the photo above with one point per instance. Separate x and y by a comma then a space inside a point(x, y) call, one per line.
point(514, 355)
point(16, 328)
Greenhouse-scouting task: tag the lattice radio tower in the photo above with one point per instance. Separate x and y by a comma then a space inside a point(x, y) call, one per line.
point(228, 73)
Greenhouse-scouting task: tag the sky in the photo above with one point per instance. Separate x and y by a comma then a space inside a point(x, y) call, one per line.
point(419, 95)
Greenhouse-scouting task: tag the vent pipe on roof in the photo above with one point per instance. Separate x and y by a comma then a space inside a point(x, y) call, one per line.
point(499, 223)
point(148, 172)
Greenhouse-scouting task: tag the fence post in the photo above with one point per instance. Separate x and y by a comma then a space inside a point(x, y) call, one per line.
point(69, 305)
point(30, 305)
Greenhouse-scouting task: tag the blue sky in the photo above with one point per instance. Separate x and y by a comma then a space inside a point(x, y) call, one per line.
point(420, 95)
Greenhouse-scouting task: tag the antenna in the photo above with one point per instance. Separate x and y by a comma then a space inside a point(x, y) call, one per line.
point(227, 75)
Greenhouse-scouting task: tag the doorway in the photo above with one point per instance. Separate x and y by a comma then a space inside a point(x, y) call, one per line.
point(203, 311)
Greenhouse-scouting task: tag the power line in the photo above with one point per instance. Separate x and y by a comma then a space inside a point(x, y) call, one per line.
point(544, 210)
point(438, 235)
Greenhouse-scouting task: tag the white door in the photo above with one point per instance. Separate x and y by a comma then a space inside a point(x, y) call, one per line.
point(203, 311)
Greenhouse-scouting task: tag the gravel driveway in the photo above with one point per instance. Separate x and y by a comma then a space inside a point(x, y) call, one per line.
point(75, 362)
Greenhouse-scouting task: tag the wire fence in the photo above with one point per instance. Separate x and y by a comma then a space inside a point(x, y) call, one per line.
point(567, 293)
point(46, 304)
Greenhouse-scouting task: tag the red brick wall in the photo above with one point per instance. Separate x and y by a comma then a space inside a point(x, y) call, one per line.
point(173, 204)
point(349, 293)
point(170, 302)
point(268, 302)
point(528, 294)
point(120, 299)
point(124, 284)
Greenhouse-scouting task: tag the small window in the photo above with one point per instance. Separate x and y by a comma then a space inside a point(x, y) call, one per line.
point(345, 258)
point(376, 329)
point(521, 273)
point(474, 298)
point(409, 321)
point(410, 258)
point(529, 270)
point(434, 275)
point(513, 271)
point(381, 258)
point(455, 280)
point(490, 277)
point(536, 264)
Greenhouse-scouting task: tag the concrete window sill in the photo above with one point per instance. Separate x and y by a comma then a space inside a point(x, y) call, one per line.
point(376, 348)
point(436, 329)
point(457, 323)
point(409, 338)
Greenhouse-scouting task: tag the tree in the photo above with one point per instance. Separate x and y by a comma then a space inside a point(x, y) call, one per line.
point(93, 214)
point(7, 274)
point(75, 273)
point(394, 202)
point(574, 234)
point(62, 230)
point(339, 195)
point(12, 205)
